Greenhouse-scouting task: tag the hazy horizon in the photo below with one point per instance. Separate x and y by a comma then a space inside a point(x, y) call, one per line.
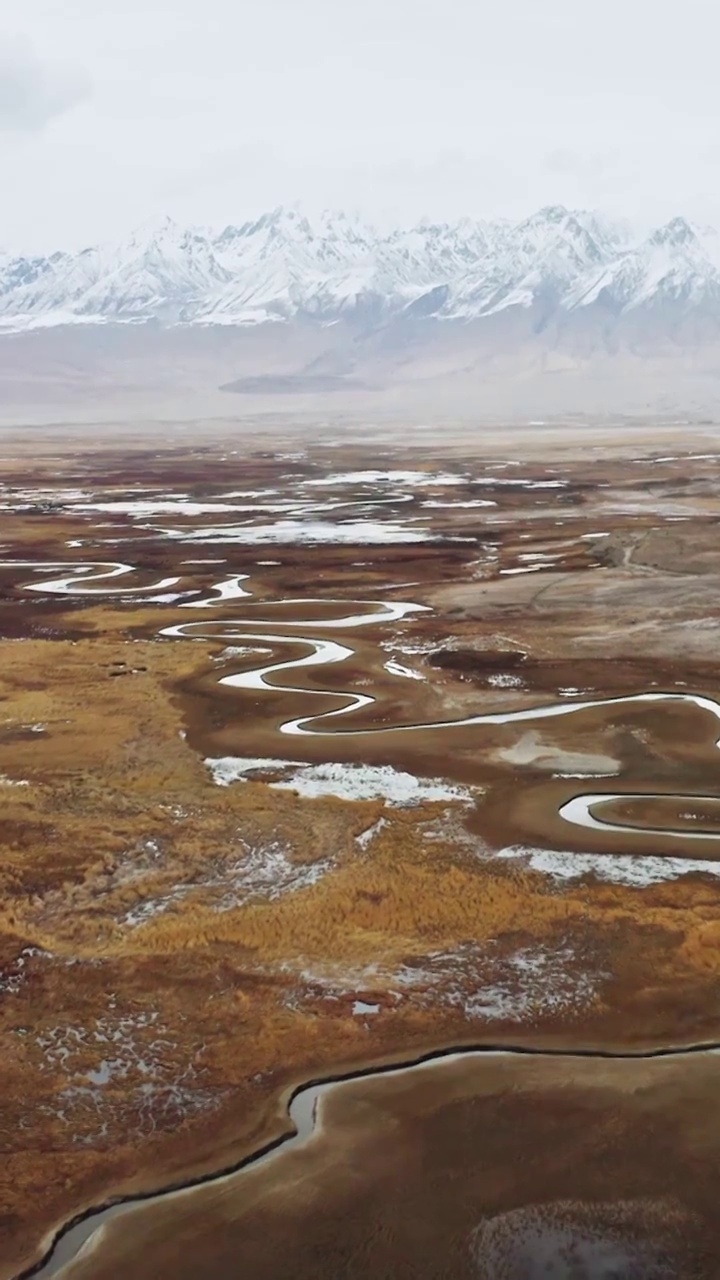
point(214, 114)
point(381, 223)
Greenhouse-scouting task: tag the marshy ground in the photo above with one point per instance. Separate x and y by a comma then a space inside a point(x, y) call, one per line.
point(202, 909)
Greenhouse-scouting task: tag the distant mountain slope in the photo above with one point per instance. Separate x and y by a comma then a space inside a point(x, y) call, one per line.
point(285, 267)
point(562, 312)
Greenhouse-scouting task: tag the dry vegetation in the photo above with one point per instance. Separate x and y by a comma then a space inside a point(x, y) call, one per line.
point(173, 953)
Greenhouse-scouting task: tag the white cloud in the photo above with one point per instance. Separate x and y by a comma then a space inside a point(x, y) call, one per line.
point(33, 91)
point(215, 112)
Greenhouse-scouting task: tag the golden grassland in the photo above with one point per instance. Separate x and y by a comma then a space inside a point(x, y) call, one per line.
point(120, 812)
point(158, 995)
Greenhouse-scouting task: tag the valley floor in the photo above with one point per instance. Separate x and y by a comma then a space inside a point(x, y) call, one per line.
point(318, 757)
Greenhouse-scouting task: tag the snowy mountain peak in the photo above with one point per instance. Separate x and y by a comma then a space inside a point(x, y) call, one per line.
point(287, 265)
point(551, 214)
point(676, 233)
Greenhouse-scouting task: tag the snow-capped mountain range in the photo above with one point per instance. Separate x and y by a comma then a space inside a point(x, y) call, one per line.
point(285, 266)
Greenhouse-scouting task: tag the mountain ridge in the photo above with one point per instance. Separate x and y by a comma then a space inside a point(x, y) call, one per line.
point(287, 267)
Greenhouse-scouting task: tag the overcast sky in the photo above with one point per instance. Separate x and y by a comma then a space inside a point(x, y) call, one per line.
point(212, 110)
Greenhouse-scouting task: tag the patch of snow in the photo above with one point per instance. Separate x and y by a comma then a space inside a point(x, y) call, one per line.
point(528, 984)
point(250, 493)
point(263, 871)
point(152, 907)
point(294, 532)
point(268, 872)
point(166, 598)
point(502, 680)
point(134, 1048)
point(419, 478)
point(345, 781)
point(15, 975)
point(227, 769)
point(526, 484)
point(239, 651)
point(365, 839)
point(639, 871)
point(151, 507)
point(602, 774)
point(396, 669)
point(450, 506)
point(409, 647)
point(372, 782)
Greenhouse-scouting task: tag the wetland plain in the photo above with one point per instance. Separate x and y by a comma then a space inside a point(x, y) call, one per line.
point(323, 761)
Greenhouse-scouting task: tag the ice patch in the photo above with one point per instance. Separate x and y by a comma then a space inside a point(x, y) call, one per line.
point(578, 811)
point(228, 589)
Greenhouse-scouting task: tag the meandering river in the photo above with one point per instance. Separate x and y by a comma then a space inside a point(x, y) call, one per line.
point(92, 578)
point(83, 579)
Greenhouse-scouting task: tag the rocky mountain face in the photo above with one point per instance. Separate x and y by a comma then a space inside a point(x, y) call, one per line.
point(554, 268)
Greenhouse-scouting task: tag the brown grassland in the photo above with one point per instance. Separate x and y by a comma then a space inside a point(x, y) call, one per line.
point(175, 954)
